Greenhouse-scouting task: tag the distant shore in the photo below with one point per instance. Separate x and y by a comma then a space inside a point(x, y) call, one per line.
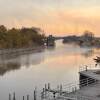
point(83, 41)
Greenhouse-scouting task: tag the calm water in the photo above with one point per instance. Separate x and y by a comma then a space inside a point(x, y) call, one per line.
point(59, 65)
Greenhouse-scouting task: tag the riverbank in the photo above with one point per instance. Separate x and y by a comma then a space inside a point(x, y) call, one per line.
point(82, 41)
point(12, 51)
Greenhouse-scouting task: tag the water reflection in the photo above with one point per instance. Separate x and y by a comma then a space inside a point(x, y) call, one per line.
point(6, 67)
point(14, 62)
point(57, 65)
point(88, 53)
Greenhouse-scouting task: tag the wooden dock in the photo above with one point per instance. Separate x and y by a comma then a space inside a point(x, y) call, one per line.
point(88, 88)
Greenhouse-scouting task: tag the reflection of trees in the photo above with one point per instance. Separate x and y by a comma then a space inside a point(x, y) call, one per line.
point(88, 53)
point(14, 62)
point(6, 67)
point(34, 59)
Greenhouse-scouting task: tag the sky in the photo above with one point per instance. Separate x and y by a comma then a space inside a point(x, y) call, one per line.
point(57, 17)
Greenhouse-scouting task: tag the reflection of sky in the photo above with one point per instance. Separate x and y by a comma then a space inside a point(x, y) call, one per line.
point(57, 66)
point(54, 16)
point(64, 54)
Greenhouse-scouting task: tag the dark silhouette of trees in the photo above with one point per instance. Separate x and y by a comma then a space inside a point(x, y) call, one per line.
point(88, 35)
point(18, 38)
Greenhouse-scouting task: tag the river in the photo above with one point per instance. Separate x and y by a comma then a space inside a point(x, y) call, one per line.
point(59, 65)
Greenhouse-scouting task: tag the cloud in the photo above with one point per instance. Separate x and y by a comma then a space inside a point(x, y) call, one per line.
point(54, 16)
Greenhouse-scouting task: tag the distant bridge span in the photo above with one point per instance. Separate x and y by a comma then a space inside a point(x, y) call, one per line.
point(50, 40)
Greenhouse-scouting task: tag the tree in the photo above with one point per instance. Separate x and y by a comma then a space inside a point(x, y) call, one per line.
point(88, 35)
point(3, 29)
point(18, 38)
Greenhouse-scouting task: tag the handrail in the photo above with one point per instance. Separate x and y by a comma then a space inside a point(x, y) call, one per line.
point(67, 98)
point(86, 68)
point(76, 86)
point(78, 97)
point(69, 91)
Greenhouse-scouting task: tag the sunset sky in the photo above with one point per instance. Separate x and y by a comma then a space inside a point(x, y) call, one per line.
point(58, 17)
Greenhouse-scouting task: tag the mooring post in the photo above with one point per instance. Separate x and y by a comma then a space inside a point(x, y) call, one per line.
point(43, 90)
point(23, 98)
point(48, 86)
point(60, 89)
point(42, 93)
point(86, 68)
point(14, 98)
point(34, 94)
point(27, 97)
point(45, 93)
point(9, 96)
point(45, 86)
point(54, 95)
point(72, 89)
point(75, 88)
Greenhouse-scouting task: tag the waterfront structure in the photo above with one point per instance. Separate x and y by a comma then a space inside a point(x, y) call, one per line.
point(50, 41)
point(88, 87)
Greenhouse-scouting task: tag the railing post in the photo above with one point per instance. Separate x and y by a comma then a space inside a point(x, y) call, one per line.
point(86, 82)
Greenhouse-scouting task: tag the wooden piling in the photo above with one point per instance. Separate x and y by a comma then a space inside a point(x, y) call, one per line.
point(58, 87)
point(9, 96)
point(43, 90)
point(14, 97)
point(61, 87)
point(54, 95)
point(48, 86)
point(45, 86)
point(23, 98)
point(42, 93)
point(27, 97)
point(34, 94)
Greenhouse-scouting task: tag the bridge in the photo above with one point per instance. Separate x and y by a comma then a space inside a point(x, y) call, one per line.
point(50, 40)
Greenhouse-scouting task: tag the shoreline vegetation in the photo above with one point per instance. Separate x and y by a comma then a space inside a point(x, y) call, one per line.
point(20, 38)
point(32, 40)
point(86, 40)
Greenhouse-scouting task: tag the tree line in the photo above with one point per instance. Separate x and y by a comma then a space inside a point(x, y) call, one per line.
point(19, 38)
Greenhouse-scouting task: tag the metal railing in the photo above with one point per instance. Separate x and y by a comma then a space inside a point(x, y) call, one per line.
point(72, 87)
point(69, 91)
point(86, 68)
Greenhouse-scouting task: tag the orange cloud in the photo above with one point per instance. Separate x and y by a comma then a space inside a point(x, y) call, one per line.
point(60, 22)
